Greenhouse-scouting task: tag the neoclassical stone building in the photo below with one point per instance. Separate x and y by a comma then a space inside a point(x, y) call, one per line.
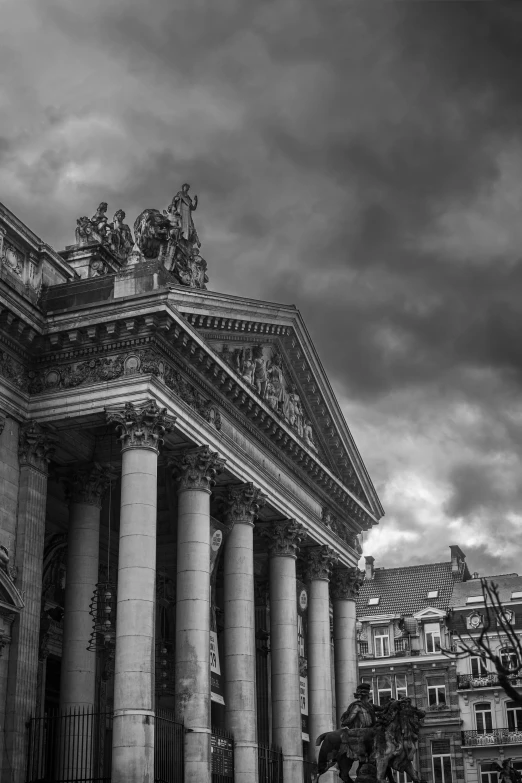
point(182, 501)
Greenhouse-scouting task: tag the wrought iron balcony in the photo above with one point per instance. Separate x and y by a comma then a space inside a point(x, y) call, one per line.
point(400, 647)
point(472, 681)
point(493, 737)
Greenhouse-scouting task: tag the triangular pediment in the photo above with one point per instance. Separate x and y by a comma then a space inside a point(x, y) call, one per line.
point(268, 348)
point(430, 613)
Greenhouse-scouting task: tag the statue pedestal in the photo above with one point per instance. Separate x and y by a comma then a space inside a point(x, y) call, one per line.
point(91, 260)
point(367, 774)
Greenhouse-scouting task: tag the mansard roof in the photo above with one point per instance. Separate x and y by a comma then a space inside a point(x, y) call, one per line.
point(404, 591)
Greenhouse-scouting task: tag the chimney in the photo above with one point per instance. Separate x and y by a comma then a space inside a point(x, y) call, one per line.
point(457, 559)
point(369, 566)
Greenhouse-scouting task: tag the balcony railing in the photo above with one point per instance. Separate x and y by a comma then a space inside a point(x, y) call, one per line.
point(493, 737)
point(472, 681)
point(400, 647)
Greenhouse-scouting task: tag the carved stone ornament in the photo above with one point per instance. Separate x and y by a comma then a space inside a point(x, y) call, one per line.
point(196, 468)
point(171, 238)
point(35, 446)
point(284, 538)
point(117, 235)
point(321, 560)
point(89, 485)
point(346, 583)
point(141, 426)
point(243, 502)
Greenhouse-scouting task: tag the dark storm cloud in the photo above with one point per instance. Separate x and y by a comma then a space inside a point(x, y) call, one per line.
point(360, 160)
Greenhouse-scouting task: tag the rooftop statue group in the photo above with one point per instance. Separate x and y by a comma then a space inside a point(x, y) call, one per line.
point(380, 738)
point(168, 236)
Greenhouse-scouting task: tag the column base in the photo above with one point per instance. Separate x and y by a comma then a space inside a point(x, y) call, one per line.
point(293, 769)
point(133, 747)
point(245, 762)
point(197, 756)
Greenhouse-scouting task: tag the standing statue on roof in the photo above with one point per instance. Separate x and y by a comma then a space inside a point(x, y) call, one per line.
point(184, 205)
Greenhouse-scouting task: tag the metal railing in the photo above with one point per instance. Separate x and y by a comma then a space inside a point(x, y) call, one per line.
point(70, 747)
point(309, 771)
point(402, 645)
point(168, 748)
point(75, 746)
point(270, 763)
point(472, 681)
point(501, 736)
point(222, 756)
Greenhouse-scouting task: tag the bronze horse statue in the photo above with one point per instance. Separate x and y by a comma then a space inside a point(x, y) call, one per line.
point(389, 745)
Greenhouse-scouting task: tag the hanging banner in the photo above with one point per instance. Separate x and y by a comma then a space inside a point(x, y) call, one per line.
point(302, 617)
point(303, 692)
point(216, 680)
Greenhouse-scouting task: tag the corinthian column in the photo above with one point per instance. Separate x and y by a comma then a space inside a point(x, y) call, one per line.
point(345, 589)
point(36, 446)
point(141, 429)
point(197, 470)
point(283, 543)
point(320, 562)
point(78, 673)
point(242, 504)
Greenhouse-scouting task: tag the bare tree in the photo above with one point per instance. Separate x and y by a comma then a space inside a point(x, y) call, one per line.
point(497, 626)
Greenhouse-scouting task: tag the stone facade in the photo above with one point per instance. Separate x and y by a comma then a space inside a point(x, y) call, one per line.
point(171, 459)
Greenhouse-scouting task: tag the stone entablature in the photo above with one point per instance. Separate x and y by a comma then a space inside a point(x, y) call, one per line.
point(168, 336)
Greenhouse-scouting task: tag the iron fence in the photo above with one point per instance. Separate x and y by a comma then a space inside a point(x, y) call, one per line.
point(168, 748)
point(75, 746)
point(270, 763)
point(70, 747)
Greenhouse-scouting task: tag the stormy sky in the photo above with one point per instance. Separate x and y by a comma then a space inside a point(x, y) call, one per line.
point(362, 160)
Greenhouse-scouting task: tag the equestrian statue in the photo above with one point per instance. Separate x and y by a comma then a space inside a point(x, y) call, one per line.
point(381, 738)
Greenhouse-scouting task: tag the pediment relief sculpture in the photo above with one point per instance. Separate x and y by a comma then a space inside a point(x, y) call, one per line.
point(261, 368)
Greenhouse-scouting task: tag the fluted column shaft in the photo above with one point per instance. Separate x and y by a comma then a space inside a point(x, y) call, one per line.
point(35, 450)
point(78, 670)
point(141, 428)
point(239, 645)
point(345, 588)
point(320, 561)
point(284, 539)
point(196, 470)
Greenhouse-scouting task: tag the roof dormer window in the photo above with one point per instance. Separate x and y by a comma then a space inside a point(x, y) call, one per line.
point(373, 601)
point(433, 594)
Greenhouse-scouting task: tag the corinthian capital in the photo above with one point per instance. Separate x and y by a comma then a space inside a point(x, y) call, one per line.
point(284, 538)
point(243, 502)
point(346, 583)
point(89, 484)
point(321, 560)
point(197, 468)
point(141, 426)
point(35, 446)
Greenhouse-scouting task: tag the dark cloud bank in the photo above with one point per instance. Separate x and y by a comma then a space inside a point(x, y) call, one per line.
point(361, 160)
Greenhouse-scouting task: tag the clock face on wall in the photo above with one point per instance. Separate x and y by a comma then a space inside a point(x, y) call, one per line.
point(475, 620)
point(303, 600)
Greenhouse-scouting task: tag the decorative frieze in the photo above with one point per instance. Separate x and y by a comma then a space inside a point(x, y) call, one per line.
point(346, 583)
point(340, 529)
point(141, 426)
point(89, 485)
point(242, 503)
point(36, 446)
point(320, 562)
point(196, 468)
point(284, 538)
